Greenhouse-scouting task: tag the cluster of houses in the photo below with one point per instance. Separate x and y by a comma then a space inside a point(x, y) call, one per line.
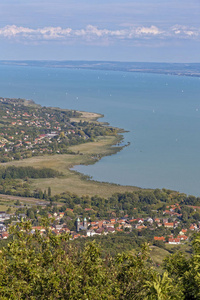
point(87, 228)
point(46, 121)
point(170, 239)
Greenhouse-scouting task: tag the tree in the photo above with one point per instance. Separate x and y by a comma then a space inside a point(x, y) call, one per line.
point(49, 191)
point(186, 272)
point(35, 266)
point(40, 194)
point(162, 288)
point(17, 202)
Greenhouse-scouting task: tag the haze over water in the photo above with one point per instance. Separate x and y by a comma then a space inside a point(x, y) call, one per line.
point(161, 113)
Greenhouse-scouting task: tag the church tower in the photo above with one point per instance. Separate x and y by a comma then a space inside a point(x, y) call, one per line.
point(85, 223)
point(77, 224)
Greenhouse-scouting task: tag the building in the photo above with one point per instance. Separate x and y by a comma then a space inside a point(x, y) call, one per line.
point(77, 224)
point(81, 225)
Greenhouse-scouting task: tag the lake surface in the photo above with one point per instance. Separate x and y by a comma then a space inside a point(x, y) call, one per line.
point(161, 113)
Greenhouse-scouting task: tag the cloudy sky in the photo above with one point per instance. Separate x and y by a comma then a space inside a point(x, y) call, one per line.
point(121, 30)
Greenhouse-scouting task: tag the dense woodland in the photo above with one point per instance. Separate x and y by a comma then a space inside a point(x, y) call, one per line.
point(13, 172)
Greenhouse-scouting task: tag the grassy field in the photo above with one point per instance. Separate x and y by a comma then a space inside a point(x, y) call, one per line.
point(72, 181)
point(158, 254)
point(8, 201)
point(185, 248)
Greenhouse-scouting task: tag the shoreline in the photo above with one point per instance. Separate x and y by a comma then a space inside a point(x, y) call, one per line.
point(73, 181)
point(81, 154)
point(174, 69)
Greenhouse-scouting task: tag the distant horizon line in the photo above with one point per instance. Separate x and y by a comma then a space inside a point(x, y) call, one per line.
point(85, 60)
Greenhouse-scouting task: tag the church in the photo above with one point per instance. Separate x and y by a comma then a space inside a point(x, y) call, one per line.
point(81, 225)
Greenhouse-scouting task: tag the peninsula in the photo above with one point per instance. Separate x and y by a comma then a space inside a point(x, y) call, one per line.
point(46, 137)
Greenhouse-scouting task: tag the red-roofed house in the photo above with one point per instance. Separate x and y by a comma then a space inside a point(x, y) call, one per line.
point(182, 237)
point(112, 220)
point(169, 225)
point(174, 241)
point(159, 238)
point(193, 227)
point(157, 220)
point(4, 235)
point(183, 231)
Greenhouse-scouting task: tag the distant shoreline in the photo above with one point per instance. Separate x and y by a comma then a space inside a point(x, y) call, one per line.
point(176, 69)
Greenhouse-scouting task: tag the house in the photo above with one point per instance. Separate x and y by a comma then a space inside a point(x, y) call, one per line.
point(132, 220)
point(159, 238)
point(91, 232)
point(112, 220)
point(100, 231)
point(4, 235)
point(139, 227)
point(174, 241)
point(193, 227)
point(39, 228)
point(4, 216)
point(139, 220)
point(58, 227)
point(157, 220)
point(61, 214)
point(2, 227)
point(169, 225)
point(109, 225)
point(165, 220)
point(150, 220)
point(121, 221)
point(183, 232)
point(110, 230)
point(100, 223)
point(183, 237)
point(127, 226)
point(75, 236)
point(93, 223)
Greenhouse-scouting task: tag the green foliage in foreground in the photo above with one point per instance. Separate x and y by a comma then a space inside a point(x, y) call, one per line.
point(49, 267)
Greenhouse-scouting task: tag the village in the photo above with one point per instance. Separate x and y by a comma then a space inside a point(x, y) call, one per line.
point(170, 223)
point(30, 130)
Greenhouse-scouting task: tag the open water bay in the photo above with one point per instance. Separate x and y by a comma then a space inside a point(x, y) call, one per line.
point(161, 113)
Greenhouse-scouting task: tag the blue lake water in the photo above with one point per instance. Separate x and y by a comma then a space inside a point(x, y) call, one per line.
point(161, 113)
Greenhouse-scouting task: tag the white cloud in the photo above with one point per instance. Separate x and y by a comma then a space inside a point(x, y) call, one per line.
point(93, 33)
point(185, 32)
point(153, 30)
point(13, 30)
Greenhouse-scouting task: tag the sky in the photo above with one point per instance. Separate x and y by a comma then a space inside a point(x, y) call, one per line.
point(112, 30)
